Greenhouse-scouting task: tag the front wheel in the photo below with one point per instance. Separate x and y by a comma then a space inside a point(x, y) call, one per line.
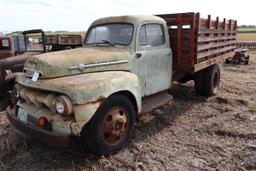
point(111, 127)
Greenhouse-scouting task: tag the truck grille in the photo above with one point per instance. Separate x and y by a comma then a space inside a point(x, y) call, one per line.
point(39, 99)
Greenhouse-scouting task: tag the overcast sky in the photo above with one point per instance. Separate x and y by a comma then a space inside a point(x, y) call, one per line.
point(76, 15)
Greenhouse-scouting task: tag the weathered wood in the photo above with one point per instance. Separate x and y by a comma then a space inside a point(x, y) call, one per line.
point(215, 31)
point(209, 62)
point(215, 45)
point(202, 40)
point(215, 52)
point(210, 39)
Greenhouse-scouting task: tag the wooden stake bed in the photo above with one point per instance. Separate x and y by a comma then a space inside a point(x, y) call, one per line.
point(198, 43)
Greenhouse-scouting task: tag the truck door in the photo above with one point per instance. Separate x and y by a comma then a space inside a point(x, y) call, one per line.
point(154, 58)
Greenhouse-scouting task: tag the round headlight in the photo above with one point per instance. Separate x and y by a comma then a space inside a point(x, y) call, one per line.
point(60, 106)
point(63, 105)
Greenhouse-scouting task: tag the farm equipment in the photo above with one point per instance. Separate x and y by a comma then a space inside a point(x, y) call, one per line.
point(58, 42)
point(126, 68)
point(21, 46)
point(6, 47)
point(241, 57)
point(12, 65)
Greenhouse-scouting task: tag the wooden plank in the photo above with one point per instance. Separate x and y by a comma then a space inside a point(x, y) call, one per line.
point(197, 23)
point(216, 31)
point(224, 23)
point(174, 21)
point(214, 52)
point(183, 68)
point(179, 38)
point(209, 39)
point(214, 45)
point(217, 23)
point(192, 43)
point(205, 64)
point(209, 22)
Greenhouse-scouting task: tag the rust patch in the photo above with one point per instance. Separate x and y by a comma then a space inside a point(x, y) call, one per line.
point(100, 100)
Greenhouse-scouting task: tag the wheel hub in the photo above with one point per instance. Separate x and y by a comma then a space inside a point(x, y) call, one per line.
point(115, 126)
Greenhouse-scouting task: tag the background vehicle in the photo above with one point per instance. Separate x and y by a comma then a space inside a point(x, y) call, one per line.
point(241, 57)
point(22, 46)
point(6, 47)
point(126, 68)
point(11, 65)
point(63, 42)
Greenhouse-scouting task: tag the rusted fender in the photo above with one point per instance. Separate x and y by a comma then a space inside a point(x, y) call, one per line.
point(88, 88)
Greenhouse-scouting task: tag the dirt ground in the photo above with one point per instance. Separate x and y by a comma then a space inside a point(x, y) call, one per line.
point(192, 133)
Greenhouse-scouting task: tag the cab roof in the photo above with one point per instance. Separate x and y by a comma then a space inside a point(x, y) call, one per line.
point(3, 36)
point(134, 19)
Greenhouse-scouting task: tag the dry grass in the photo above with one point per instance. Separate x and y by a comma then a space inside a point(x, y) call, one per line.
point(246, 36)
point(193, 133)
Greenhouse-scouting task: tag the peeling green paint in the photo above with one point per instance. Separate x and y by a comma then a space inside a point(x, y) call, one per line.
point(89, 87)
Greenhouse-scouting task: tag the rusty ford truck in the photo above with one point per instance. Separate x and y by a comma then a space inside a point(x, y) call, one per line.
point(126, 67)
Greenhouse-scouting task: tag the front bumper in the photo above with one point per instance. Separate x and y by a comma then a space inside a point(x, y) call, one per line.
point(45, 136)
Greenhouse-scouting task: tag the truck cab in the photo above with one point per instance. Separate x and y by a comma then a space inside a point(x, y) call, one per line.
point(146, 39)
point(124, 69)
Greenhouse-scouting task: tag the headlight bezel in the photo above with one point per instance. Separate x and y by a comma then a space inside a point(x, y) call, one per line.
point(66, 105)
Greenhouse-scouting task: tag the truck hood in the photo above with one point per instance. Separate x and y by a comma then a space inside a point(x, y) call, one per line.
point(77, 61)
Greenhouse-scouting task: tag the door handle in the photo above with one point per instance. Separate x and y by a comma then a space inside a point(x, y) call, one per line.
point(138, 55)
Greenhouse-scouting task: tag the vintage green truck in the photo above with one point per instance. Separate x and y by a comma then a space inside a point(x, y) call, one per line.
point(126, 67)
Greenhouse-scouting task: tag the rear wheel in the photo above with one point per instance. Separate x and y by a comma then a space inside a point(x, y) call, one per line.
point(207, 81)
point(199, 82)
point(211, 80)
point(111, 126)
point(247, 60)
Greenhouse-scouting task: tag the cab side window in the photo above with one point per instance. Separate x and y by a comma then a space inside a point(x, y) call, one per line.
point(151, 35)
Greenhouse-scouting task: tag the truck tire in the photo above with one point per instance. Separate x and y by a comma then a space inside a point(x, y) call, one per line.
point(3, 105)
point(67, 48)
point(211, 80)
point(199, 82)
point(111, 127)
point(247, 60)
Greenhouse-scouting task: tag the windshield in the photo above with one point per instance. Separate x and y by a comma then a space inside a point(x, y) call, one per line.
point(110, 33)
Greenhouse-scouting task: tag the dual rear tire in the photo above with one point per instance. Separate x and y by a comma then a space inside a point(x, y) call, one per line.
point(207, 81)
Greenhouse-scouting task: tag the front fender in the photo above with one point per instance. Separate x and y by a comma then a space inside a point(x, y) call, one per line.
point(87, 90)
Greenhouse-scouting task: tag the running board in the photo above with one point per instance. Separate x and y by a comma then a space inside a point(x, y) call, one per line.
point(155, 101)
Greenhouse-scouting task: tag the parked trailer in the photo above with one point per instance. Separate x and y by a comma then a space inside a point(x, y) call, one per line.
point(126, 68)
point(64, 42)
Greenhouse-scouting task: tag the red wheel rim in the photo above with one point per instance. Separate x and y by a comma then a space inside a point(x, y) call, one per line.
point(115, 126)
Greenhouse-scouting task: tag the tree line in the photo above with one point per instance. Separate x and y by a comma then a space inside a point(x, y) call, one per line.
point(247, 26)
